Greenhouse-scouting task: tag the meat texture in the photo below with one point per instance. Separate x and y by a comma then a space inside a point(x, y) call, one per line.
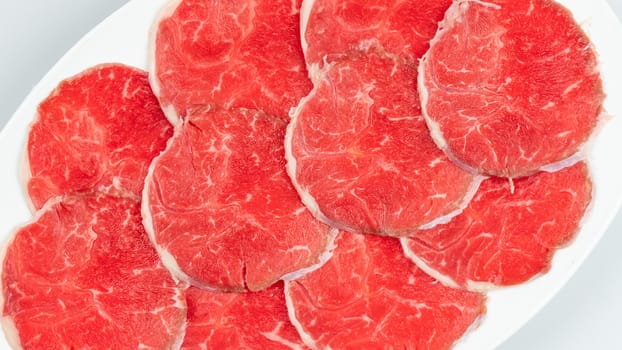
point(100, 128)
point(220, 208)
point(228, 54)
point(83, 275)
point(360, 154)
point(255, 320)
point(402, 28)
point(369, 296)
point(508, 87)
point(503, 237)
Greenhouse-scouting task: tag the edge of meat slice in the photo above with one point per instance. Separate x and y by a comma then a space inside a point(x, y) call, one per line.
point(314, 70)
point(444, 279)
point(24, 175)
point(305, 196)
point(6, 322)
point(8, 325)
point(305, 12)
point(165, 12)
point(323, 259)
point(451, 15)
point(453, 12)
point(167, 258)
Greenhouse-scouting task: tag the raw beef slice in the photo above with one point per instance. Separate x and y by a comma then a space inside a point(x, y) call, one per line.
point(333, 28)
point(369, 296)
point(220, 208)
point(228, 54)
point(360, 155)
point(256, 320)
point(508, 87)
point(83, 275)
point(504, 238)
point(100, 128)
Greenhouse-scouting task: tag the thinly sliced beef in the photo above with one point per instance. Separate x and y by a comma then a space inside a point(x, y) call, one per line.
point(256, 320)
point(508, 87)
point(503, 237)
point(370, 296)
point(334, 28)
point(83, 275)
point(360, 155)
point(100, 128)
point(228, 54)
point(220, 209)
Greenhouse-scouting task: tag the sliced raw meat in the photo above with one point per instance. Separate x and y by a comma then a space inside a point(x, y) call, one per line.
point(360, 154)
point(100, 128)
point(229, 54)
point(83, 275)
point(332, 28)
point(256, 320)
point(369, 295)
point(220, 208)
point(504, 238)
point(508, 87)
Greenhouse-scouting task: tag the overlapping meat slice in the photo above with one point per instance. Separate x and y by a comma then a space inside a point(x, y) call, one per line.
point(100, 128)
point(503, 237)
point(403, 28)
point(370, 296)
point(256, 320)
point(229, 54)
point(508, 87)
point(361, 157)
point(220, 208)
point(83, 275)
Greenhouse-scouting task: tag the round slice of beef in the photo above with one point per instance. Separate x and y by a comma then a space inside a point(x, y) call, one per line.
point(228, 54)
point(506, 235)
point(508, 87)
point(220, 209)
point(369, 296)
point(83, 275)
point(100, 128)
point(255, 320)
point(360, 154)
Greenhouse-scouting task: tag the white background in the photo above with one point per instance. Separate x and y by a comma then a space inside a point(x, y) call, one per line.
point(587, 312)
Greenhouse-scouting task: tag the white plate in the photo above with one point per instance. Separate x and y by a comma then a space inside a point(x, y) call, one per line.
point(123, 38)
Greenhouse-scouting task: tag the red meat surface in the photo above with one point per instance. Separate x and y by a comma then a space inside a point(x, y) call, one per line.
point(256, 320)
point(100, 128)
point(369, 296)
point(83, 275)
point(400, 27)
point(220, 208)
point(228, 54)
point(361, 157)
point(503, 237)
